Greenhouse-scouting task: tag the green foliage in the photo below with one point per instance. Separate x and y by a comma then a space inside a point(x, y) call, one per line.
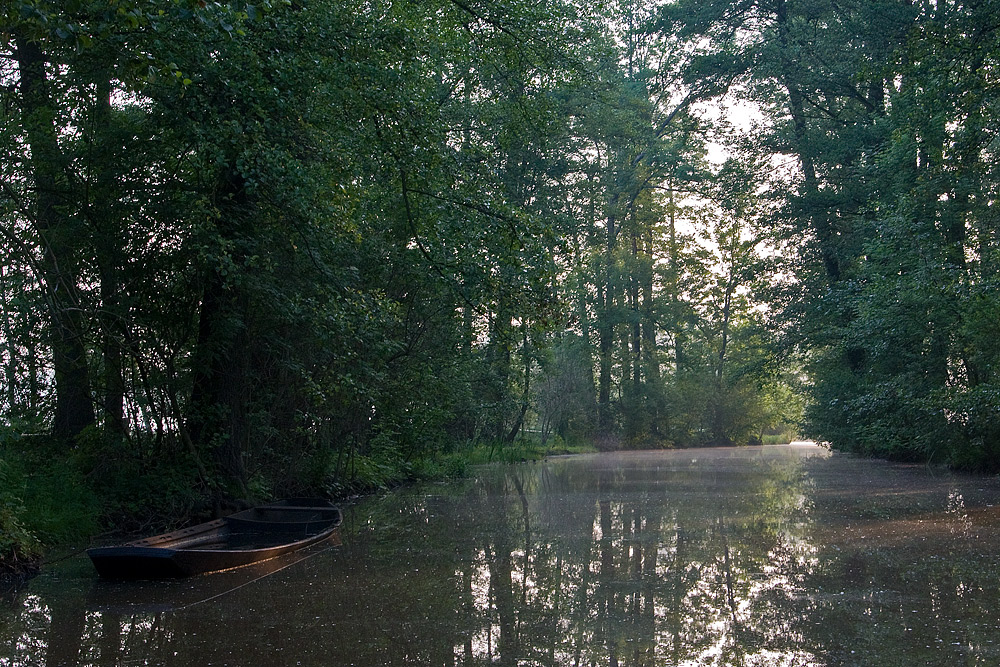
point(138, 487)
point(44, 501)
point(17, 544)
point(887, 239)
point(275, 248)
point(505, 453)
point(384, 471)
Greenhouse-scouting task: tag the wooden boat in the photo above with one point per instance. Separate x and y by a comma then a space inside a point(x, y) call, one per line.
point(246, 537)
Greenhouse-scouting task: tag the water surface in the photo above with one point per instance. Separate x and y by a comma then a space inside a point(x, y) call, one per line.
point(750, 556)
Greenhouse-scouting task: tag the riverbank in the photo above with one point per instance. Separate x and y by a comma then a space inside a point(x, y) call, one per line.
point(49, 503)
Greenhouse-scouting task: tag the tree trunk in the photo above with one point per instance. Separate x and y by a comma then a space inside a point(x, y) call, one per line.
point(74, 409)
point(820, 220)
point(8, 333)
point(605, 327)
point(673, 285)
point(108, 232)
point(526, 387)
point(634, 279)
point(221, 388)
point(498, 362)
point(651, 363)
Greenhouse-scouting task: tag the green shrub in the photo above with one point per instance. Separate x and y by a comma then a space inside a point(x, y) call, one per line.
point(455, 466)
point(139, 486)
point(17, 544)
point(44, 501)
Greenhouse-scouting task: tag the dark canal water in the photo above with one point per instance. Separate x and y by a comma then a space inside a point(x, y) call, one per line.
point(754, 556)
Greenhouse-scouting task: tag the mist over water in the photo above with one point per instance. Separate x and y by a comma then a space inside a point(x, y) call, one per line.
point(751, 556)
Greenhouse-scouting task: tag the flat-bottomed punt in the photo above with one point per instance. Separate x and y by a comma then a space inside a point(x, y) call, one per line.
point(246, 537)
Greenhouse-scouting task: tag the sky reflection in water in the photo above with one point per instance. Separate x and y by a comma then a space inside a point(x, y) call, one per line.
point(750, 556)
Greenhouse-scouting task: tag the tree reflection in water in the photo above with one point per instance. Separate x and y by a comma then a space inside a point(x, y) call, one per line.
point(714, 557)
point(662, 566)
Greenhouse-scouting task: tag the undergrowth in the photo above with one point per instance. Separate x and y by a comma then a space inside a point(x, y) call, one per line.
point(385, 469)
point(44, 501)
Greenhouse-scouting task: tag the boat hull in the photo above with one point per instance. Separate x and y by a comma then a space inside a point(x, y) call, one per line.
point(247, 537)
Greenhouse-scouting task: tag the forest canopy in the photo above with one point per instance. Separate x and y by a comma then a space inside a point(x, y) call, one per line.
point(278, 247)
